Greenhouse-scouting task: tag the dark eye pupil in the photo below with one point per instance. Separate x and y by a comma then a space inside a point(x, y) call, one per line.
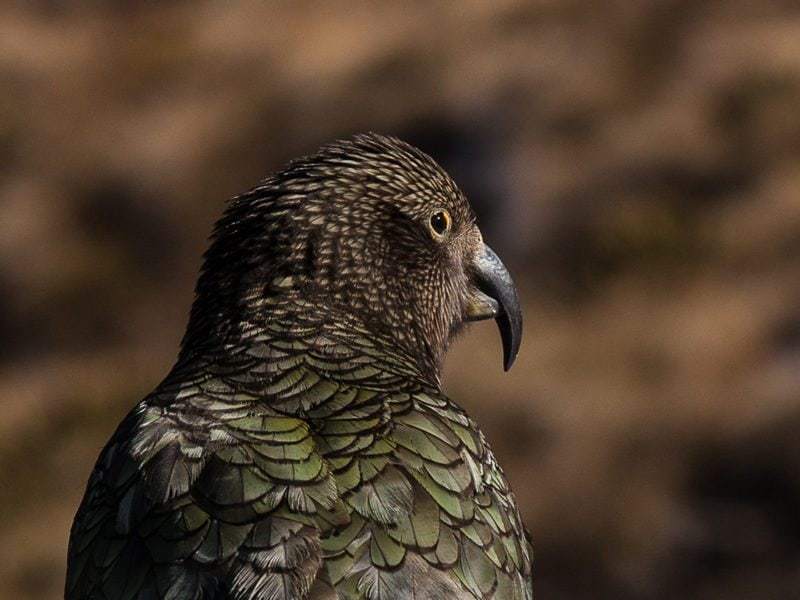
point(439, 222)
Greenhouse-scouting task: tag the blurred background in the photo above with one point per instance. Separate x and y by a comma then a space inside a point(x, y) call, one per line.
point(637, 165)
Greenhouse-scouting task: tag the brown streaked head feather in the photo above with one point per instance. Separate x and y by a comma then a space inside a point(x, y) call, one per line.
point(348, 229)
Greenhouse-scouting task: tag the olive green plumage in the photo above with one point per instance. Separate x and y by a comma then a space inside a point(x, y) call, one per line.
point(302, 447)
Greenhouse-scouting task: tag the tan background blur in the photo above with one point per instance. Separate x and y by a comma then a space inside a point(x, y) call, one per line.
point(637, 165)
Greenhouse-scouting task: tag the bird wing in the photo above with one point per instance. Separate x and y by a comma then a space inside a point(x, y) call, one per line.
point(205, 493)
point(432, 514)
point(206, 496)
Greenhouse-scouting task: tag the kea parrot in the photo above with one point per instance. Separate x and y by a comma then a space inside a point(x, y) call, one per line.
point(301, 447)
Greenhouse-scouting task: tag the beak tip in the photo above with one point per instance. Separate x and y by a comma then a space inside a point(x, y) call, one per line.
point(508, 362)
point(511, 346)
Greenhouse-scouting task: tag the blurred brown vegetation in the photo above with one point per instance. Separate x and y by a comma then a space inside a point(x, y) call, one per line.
point(637, 164)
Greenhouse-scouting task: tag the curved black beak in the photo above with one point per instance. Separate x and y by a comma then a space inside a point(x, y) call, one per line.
point(495, 297)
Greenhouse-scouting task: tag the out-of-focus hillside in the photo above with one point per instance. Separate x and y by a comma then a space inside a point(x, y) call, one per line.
point(637, 164)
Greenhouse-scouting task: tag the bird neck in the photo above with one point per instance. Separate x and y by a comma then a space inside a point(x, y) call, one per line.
point(275, 329)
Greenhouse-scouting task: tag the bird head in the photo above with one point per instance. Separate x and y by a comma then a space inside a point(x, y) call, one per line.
point(368, 228)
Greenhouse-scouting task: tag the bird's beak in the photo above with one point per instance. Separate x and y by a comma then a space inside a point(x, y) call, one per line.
point(495, 297)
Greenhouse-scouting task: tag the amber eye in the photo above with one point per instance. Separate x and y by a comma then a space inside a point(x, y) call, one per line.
point(440, 222)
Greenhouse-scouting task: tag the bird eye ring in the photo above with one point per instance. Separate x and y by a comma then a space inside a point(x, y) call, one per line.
point(440, 222)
